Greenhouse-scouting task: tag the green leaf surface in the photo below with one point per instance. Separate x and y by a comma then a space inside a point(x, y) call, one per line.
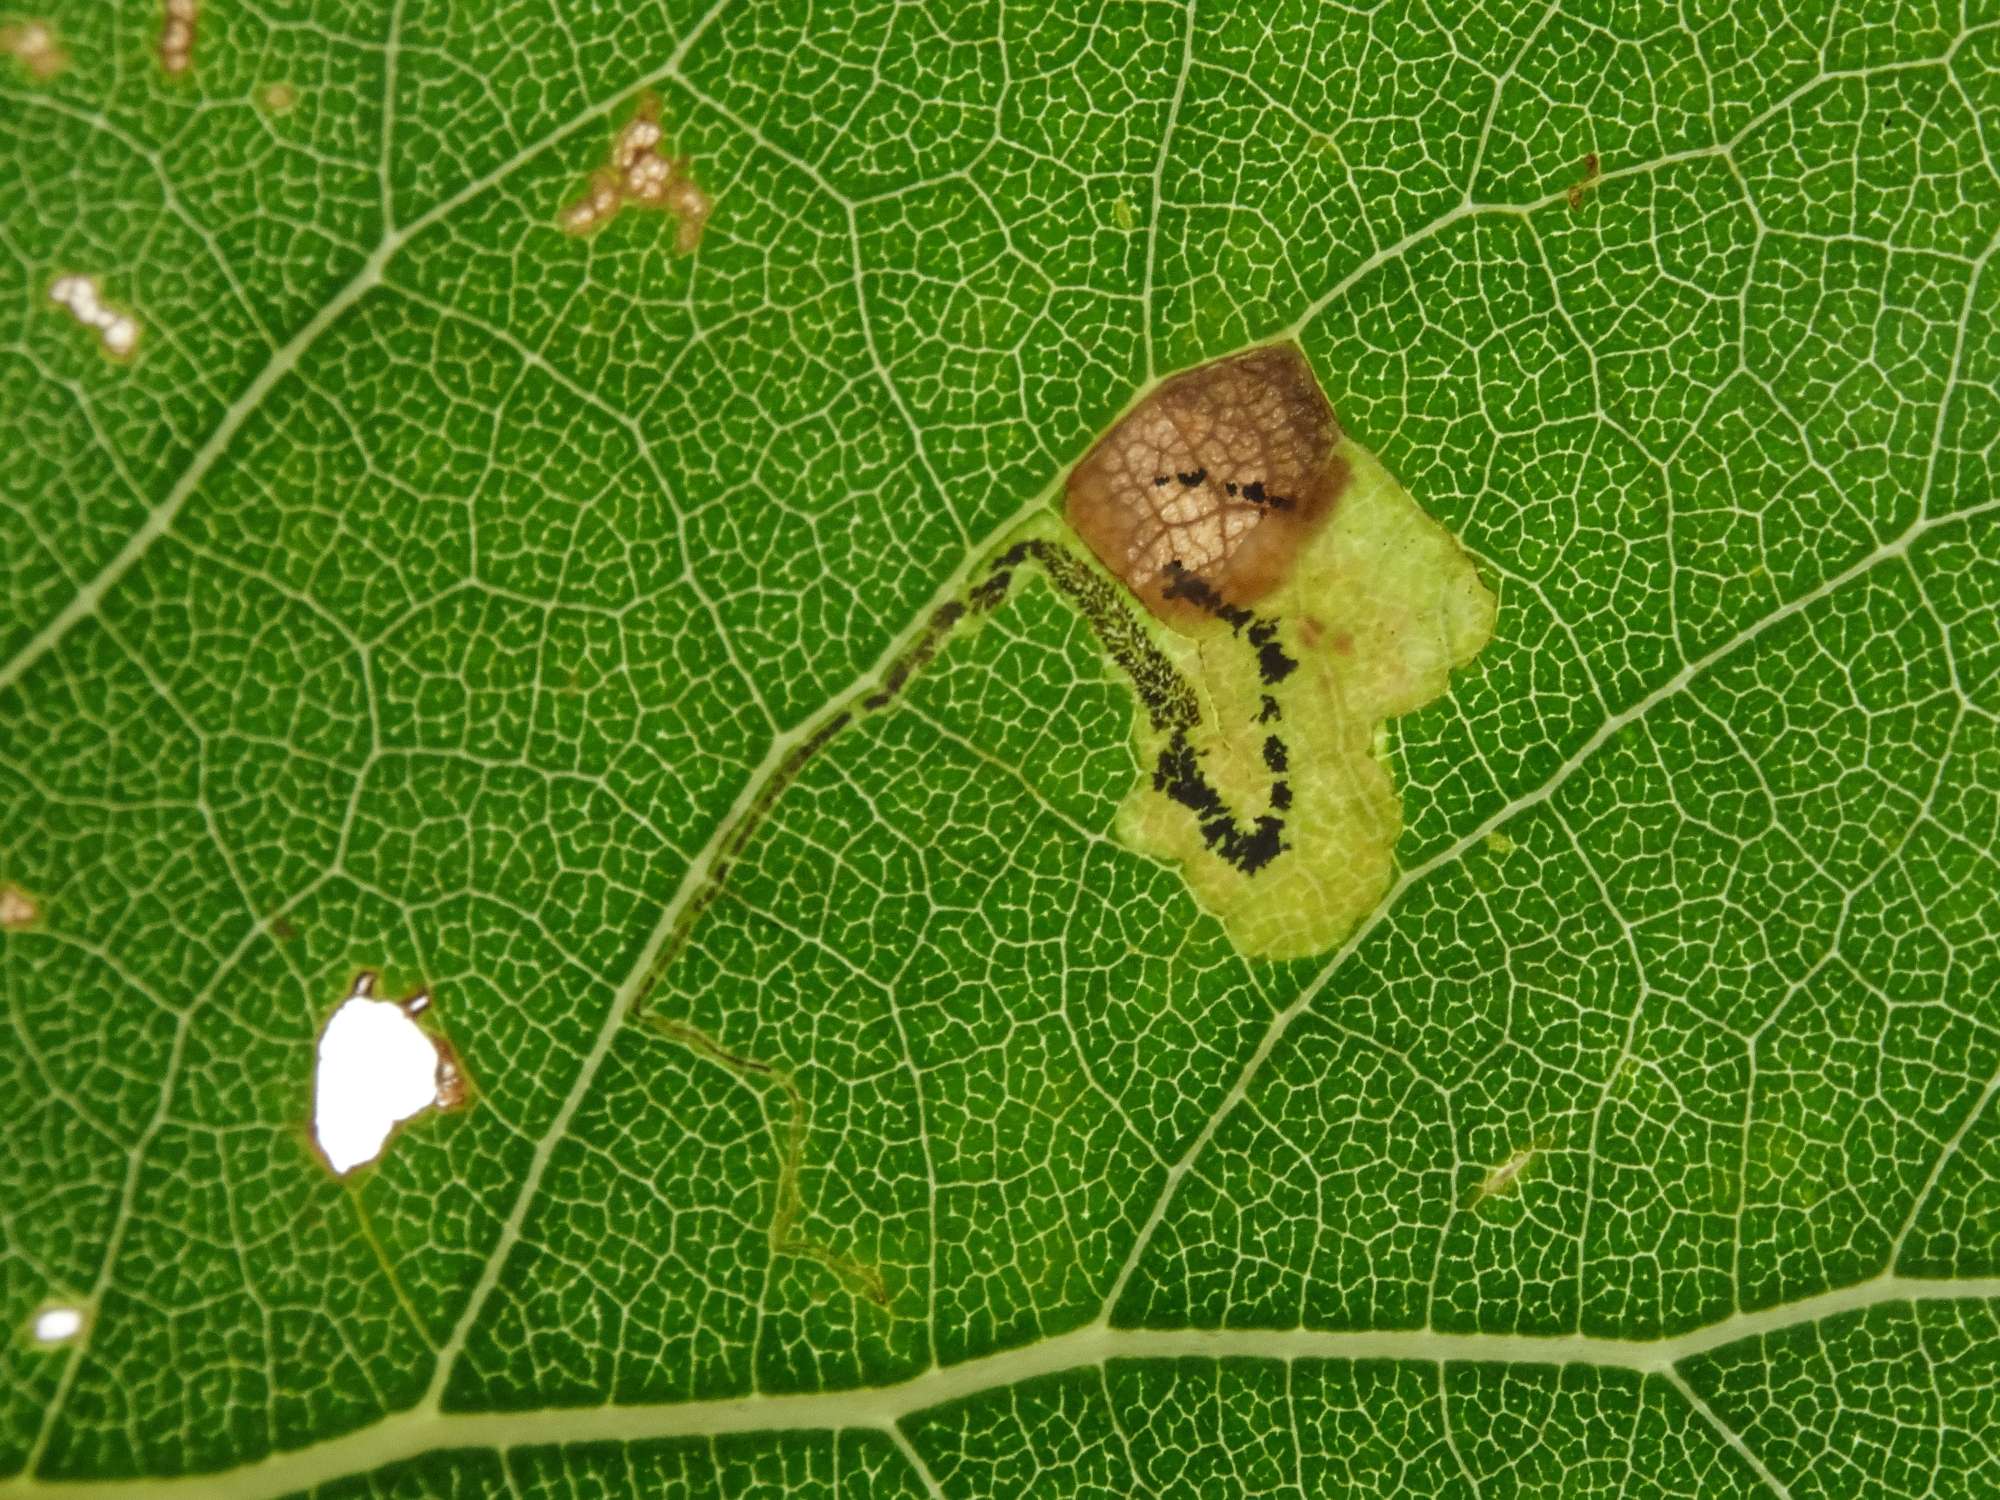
point(441, 594)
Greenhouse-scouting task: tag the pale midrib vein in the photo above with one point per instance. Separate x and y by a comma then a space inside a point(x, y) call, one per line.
point(882, 1407)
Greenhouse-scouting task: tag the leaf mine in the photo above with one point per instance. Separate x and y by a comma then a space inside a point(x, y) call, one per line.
point(1295, 598)
point(786, 1237)
point(1305, 599)
point(637, 173)
point(377, 1068)
point(1222, 473)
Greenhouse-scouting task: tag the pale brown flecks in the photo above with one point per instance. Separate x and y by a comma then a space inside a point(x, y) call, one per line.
point(1222, 473)
point(17, 909)
point(33, 45)
point(278, 98)
point(452, 1089)
point(451, 1086)
point(1506, 1174)
point(639, 174)
point(177, 37)
point(117, 332)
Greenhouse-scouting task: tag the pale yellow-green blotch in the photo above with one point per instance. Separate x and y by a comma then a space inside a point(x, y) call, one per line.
point(1379, 608)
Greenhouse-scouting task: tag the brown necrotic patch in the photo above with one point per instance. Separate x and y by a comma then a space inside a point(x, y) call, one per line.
point(1206, 491)
point(177, 26)
point(33, 45)
point(640, 173)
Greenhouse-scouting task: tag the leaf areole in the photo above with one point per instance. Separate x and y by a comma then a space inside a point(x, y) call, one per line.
point(1222, 474)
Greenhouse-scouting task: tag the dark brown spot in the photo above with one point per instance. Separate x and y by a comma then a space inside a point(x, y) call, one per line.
point(1589, 180)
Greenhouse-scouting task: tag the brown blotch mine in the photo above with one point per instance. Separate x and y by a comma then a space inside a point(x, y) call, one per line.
point(1222, 474)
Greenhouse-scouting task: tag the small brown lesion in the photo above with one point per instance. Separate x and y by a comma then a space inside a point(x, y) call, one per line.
point(177, 37)
point(1221, 475)
point(639, 173)
point(33, 45)
point(1586, 182)
point(453, 1089)
point(18, 909)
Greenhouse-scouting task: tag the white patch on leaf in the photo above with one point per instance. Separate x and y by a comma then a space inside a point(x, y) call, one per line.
point(638, 173)
point(117, 332)
point(57, 1324)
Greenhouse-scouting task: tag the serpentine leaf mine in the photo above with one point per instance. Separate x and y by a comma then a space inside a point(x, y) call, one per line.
point(1303, 598)
point(1294, 597)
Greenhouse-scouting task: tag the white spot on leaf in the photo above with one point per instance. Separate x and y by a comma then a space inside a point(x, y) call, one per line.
point(117, 332)
point(639, 174)
point(58, 1324)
